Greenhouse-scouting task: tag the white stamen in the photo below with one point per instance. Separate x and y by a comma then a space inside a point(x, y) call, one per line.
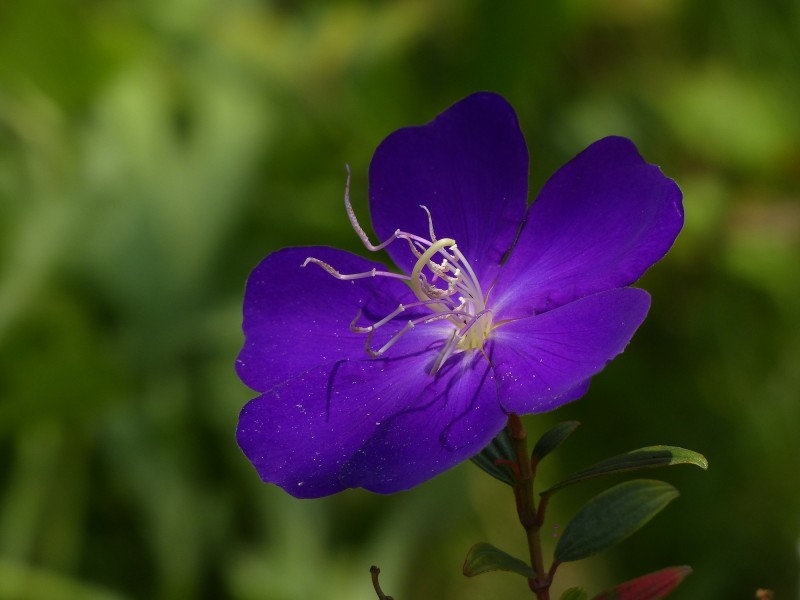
point(354, 222)
point(466, 312)
point(400, 309)
point(430, 222)
point(364, 275)
point(375, 353)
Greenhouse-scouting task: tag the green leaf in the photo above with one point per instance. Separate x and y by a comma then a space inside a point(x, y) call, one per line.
point(648, 587)
point(500, 448)
point(553, 439)
point(643, 458)
point(574, 594)
point(612, 516)
point(484, 557)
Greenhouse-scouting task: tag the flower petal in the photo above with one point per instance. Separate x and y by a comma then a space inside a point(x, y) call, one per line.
point(362, 422)
point(448, 420)
point(544, 361)
point(298, 318)
point(599, 223)
point(469, 166)
point(300, 433)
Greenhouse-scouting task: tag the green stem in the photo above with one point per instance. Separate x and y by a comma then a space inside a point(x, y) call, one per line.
point(526, 508)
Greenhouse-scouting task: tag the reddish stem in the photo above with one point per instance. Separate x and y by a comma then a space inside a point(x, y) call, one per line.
point(526, 507)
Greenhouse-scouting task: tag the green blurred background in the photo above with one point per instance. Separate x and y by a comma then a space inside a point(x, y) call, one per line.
point(153, 151)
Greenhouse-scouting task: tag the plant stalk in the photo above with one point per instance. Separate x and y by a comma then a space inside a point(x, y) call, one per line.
point(526, 508)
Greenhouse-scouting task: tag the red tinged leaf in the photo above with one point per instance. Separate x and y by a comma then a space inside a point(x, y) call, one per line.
point(648, 587)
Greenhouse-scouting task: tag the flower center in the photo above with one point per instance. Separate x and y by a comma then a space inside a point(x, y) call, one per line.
point(443, 282)
point(462, 299)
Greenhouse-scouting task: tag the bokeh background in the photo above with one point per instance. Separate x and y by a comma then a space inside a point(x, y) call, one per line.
point(152, 152)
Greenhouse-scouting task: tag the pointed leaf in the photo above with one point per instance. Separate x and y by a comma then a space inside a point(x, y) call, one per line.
point(485, 557)
point(612, 516)
point(574, 594)
point(500, 448)
point(648, 587)
point(643, 458)
point(552, 439)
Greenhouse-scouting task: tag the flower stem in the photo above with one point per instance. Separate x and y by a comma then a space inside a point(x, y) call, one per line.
point(526, 507)
point(375, 571)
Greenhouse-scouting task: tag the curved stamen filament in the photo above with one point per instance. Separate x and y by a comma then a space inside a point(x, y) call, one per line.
point(416, 282)
point(351, 214)
point(352, 276)
point(375, 353)
point(400, 309)
point(410, 324)
point(474, 284)
point(430, 222)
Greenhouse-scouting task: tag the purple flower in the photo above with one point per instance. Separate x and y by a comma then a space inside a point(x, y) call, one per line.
point(380, 379)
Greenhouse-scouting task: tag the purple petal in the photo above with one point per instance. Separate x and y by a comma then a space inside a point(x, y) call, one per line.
point(349, 426)
point(300, 434)
point(296, 442)
point(447, 421)
point(297, 318)
point(469, 166)
point(544, 361)
point(598, 224)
